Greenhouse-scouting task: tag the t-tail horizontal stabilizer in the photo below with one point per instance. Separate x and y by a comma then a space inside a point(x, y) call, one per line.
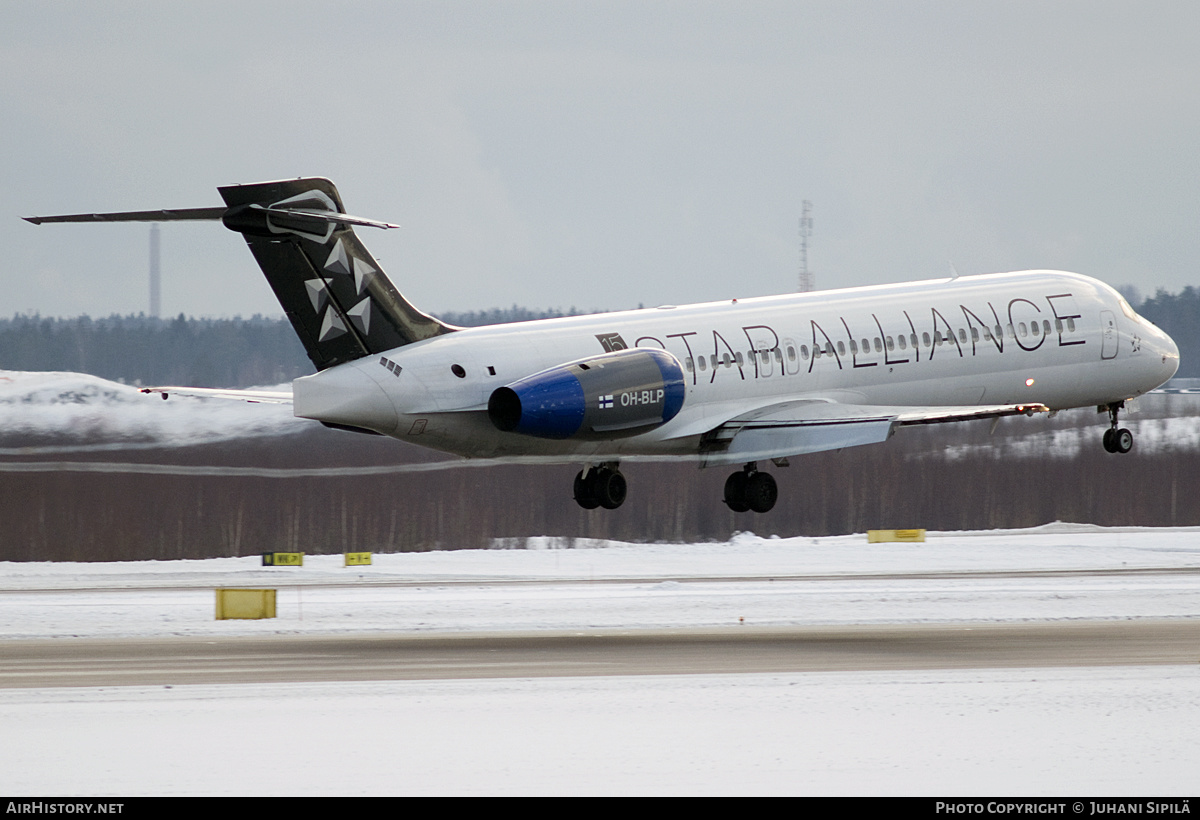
point(335, 294)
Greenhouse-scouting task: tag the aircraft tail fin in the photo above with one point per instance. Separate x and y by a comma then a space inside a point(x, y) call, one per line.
point(338, 299)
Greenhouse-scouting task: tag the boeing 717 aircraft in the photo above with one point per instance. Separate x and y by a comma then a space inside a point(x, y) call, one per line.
point(737, 382)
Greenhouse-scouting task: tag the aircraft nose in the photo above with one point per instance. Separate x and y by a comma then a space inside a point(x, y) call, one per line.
point(1166, 362)
point(1170, 355)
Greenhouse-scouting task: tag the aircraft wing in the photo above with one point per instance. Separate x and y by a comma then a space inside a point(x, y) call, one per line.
point(811, 426)
point(253, 396)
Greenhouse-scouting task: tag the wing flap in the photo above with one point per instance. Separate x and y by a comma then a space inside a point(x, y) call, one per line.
point(813, 426)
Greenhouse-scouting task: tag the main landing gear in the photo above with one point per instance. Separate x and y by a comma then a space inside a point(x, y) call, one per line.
point(601, 486)
point(604, 486)
point(751, 490)
point(1117, 440)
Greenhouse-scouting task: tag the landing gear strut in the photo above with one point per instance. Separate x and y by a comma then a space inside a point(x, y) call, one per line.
point(1117, 440)
point(602, 486)
point(751, 490)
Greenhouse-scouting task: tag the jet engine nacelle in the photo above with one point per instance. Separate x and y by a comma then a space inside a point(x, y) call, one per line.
point(612, 395)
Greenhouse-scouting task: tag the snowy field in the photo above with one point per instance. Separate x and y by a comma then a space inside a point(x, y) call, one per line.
point(1050, 731)
point(1034, 732)
point(952, 577)
point(87, 413)
point(80, 413)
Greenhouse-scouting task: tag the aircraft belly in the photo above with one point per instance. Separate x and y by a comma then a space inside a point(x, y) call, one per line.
point(472, 435)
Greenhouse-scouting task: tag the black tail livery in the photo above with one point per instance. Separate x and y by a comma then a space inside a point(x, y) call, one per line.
point(338, 299)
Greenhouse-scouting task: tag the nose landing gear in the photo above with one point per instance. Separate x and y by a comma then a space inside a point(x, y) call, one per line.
point(1117, 440)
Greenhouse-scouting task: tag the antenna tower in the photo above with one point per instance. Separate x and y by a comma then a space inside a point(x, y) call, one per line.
point(808, 281)
point(155, 273)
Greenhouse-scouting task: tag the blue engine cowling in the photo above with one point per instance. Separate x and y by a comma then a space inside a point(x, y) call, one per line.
point(612, 395)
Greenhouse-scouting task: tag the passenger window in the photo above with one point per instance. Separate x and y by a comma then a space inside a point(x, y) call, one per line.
point(792, 354)
point(1071, 325)
point(962, 336)
point(689, 364)
point(1035, 328)
point(804, 352)
point(1024, 333)
point(925, 339)
point(878, 345)
point(1046, 326)
point(974, 334)
point(703, 366)
point(903, 344)
point(891, 345)
point(841, 349)
point(853, 347)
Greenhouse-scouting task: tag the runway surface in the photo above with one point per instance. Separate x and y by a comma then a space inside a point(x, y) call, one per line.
point(1060, 660)
point(310, 658)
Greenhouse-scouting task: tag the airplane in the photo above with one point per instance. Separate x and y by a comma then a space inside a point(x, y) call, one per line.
point(733, 382)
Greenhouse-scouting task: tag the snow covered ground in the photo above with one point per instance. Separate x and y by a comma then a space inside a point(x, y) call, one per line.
point(634, 585)
point(83, 413)
point(87, 413)
point(1051, 732)
point(1059, 731)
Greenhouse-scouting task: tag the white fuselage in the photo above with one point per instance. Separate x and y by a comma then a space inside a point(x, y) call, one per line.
point(1059, 339)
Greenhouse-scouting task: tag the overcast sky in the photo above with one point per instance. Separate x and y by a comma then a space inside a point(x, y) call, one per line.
point(603, 154)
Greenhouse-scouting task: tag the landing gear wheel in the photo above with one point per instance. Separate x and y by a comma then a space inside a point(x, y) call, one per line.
point(584, 495)
point(600, 487)
point(751, 490)
point(1123, 441)
point(735, 492)
point(1117, 439)
point(761, 492)
point(610, 487)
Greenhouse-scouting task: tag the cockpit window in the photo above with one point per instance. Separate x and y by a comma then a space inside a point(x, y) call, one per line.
point(1128, 311)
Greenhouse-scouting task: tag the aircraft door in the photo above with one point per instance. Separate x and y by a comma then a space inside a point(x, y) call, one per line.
point(1109, 338)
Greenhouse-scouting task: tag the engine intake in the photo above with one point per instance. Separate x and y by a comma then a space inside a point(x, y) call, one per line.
point(612, 395)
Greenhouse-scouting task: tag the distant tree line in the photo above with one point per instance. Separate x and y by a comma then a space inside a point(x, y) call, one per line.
point(1179, 315)
point(262, 351)
point(948, 477)
point(503, 316)
point(142, 349)
point(945, 477)
point(197, 352)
